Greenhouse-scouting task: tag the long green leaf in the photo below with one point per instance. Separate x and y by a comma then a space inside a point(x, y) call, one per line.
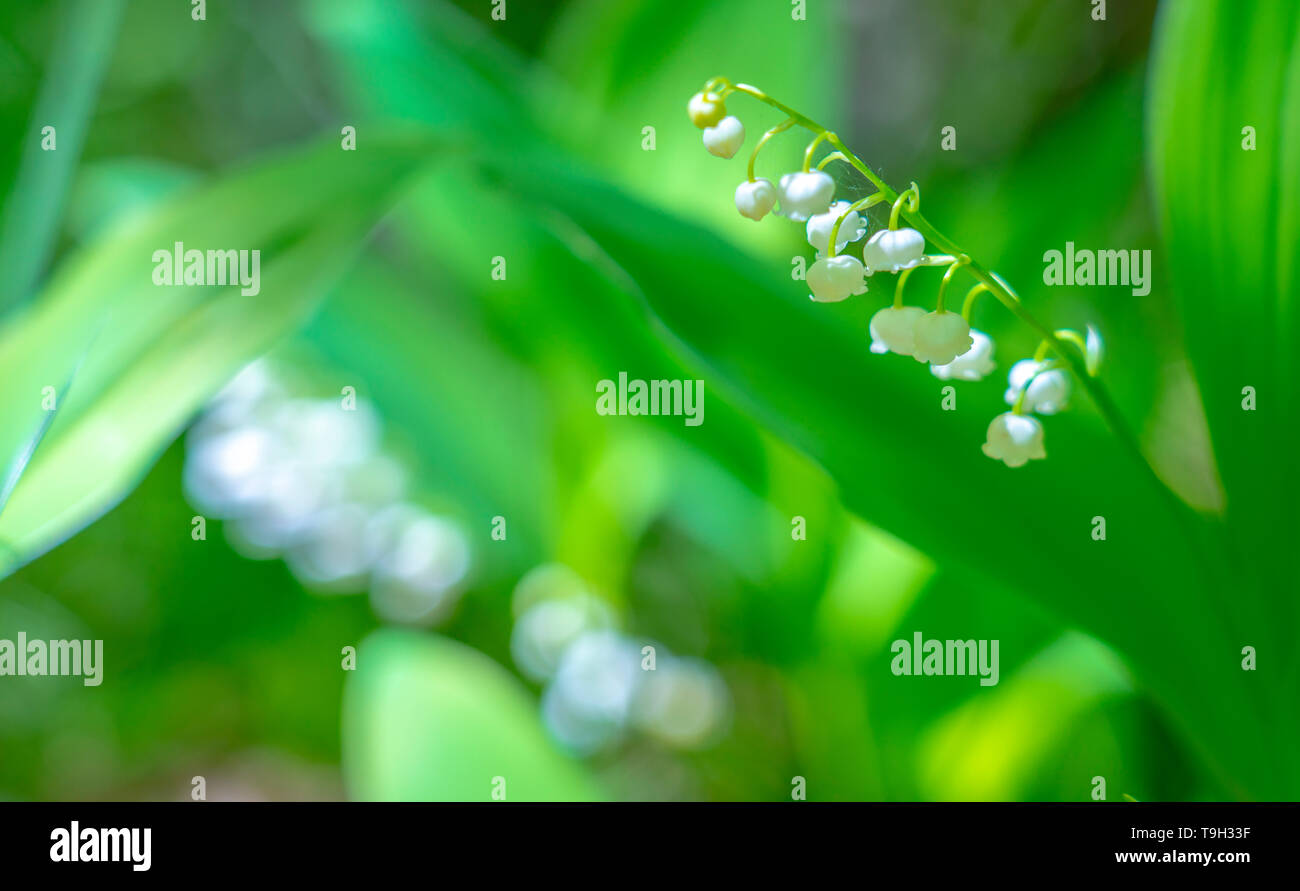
point(146, 356)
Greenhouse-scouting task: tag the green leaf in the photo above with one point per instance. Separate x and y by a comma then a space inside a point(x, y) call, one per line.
point(147, 357)
point(1230, 218)
point(429, 719)
point(34, 206)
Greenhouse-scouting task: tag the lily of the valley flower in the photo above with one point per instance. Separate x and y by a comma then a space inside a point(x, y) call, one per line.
point(832, 279)
point(725, 137)
point(893, 250)
point(892, 329)
point(972, 365)
point(1014, 439)
point(940, 337)
point(755, 199)
point(820, 226)
point(706, 109)
point(1048, 393)
point(805, 194)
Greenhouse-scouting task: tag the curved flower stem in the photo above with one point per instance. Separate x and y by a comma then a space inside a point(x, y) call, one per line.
point(833, 156)
point(969, 302)
point(863, 204)
point(958, 263)
point(898, 290)
point(1067, 334)
point(812, 147)
point(762, 140)
point(996, 286)
point(911, 197)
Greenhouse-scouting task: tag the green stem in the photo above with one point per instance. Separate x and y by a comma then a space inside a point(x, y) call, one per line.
point(958, 263)
point(762, 140)
point(969, 302)
point(863, 204)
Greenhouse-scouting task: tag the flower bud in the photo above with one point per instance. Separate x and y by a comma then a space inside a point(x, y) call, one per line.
point(755, 199)
point(941, 337)
point(892, 329)
point(725, 138)
point(893, 250)
point(835, 278)
point(1014, 439)
point(706, 109)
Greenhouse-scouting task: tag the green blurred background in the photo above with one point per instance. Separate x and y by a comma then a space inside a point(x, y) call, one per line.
point(520, 658)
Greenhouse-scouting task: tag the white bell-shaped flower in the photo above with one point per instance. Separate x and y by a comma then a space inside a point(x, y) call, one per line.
point(941, 337)
point(755, 199)
point(972, 365)
point(832, 279)
point(1048, 393)
point(892, 329)
point(1014, 439)
point(805, 194)
point(706, 109)
point(820, 226)
point(893, 250)
point(725, 137)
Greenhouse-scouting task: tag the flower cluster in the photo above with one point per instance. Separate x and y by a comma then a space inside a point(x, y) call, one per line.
point(303, 479)
point(599, 684)
point(940, 338)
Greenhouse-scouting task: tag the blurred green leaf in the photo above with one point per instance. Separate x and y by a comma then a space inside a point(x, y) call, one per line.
point(141, 358)
point(34, 205)
point(1229, 206)
point(429, 719)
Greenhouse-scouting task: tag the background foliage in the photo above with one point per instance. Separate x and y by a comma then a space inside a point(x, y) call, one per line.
point(522, 138)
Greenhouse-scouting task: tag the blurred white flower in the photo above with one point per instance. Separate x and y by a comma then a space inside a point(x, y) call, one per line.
point(820, 225)
point(416, 580)
point(832, 279)
point(333, 556)
point(940, 337)
point(893, 250)
point(1014, 439)
point(805, 194)
point(972, 365)
point(1048, 393)
point(892, 329)
point(543, 633)
point(683, 702)
point(587, 705)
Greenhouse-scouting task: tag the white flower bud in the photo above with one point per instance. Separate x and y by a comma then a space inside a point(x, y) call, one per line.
point(972, 365)
point(1014, 439)
point(724, 138)
point(805, 194)
point(893, 250)
point(1047, 394)
point(832, 279)
point(892, 328)
point(941, 337)
point(706, 109)
point(820, 225)
point(755, 199)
